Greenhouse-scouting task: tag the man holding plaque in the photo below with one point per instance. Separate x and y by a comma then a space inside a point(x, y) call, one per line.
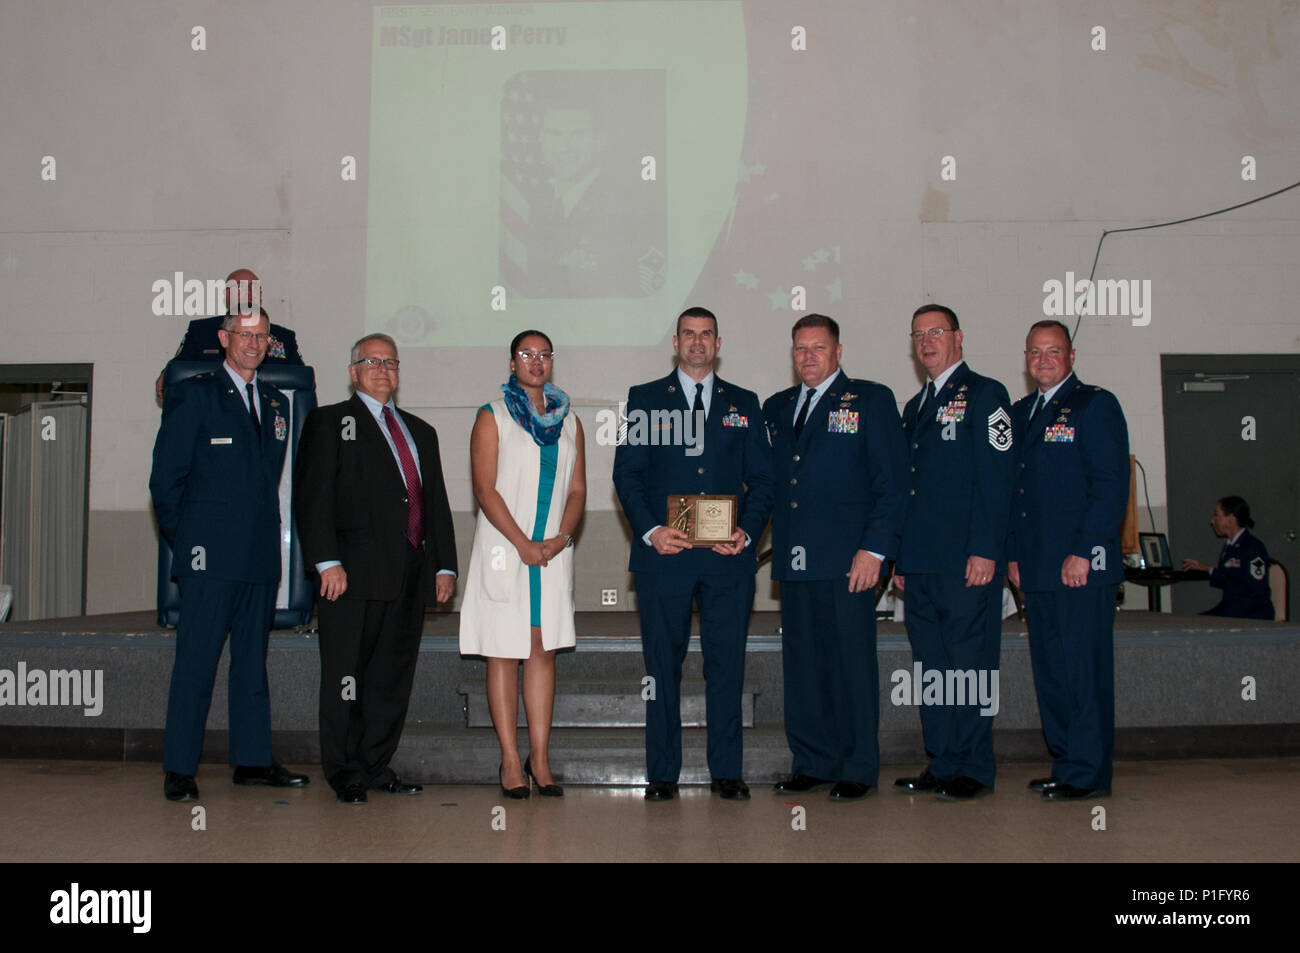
point(841, 480)
point(693, 475)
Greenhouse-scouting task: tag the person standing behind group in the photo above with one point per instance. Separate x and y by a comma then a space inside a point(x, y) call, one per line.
point(1242, 570)
point(530, 480)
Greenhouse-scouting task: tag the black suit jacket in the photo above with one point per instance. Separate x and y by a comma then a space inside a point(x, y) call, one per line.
point(351, 505)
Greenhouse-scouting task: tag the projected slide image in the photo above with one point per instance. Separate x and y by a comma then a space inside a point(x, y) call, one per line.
point(568, 166)
point(577, 218)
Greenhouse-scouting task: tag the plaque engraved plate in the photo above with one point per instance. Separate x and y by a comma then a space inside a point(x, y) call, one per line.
point(705, 519)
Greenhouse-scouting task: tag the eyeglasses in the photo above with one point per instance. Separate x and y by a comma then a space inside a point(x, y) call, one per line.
point(250, 336)
point(932, 333)
point(375, 363)
point(532, 357)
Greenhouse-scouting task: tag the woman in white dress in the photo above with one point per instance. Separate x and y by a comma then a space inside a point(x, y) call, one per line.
point(529, 475)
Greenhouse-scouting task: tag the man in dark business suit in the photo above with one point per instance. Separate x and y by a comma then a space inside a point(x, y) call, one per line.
point(215, 487)
point(374, 520)
point(840, 467)
point(1070, 492)
point(666, 452)
point(243, 294)
point(951, 562)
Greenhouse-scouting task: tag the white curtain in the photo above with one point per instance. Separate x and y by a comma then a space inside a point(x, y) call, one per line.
point(43, 509)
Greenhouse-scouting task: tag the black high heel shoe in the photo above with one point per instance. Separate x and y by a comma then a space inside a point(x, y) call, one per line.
point(545, 790)
point(520, 793)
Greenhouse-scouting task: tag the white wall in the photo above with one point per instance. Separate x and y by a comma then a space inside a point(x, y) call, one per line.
point(174, 160)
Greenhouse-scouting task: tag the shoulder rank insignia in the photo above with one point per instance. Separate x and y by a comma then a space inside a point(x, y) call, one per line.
point(1000, 430)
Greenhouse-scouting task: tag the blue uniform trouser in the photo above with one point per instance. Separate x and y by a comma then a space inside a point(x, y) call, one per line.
point(1072, 647)
point(664, 603)
point(210, 608)
point(954, 628)
point(828, 648)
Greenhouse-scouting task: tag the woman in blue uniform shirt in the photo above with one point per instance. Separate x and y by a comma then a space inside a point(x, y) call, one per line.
point(1242, 571)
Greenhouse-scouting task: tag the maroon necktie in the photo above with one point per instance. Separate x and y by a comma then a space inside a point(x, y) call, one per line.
point(414, 492)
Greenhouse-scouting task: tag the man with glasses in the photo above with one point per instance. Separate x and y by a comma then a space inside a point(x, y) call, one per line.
point(704, 435)
point(373, 519)
point(215, 488)
point(951, 561)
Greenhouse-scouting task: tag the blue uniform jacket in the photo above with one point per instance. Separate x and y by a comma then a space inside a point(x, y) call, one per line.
point(841, 486)
point(1242, 574)
point(201, 343)
point(734, 459)
point(215, 482)
point(1071, 486)
point(959, 477)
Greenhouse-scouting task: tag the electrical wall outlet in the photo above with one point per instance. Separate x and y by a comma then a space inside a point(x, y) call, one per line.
point(609, 597)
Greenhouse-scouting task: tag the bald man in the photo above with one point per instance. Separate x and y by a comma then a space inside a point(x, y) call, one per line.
point(200, 341)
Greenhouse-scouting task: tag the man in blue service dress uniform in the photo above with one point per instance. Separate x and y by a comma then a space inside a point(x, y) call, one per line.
point(1067, 507)
point(243, 294)
point(951, 560)
point(215, 487)
point(667, 452)
point(840, 467)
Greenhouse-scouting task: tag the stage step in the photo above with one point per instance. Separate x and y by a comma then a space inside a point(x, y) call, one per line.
point(440, 755)
point(590, 703)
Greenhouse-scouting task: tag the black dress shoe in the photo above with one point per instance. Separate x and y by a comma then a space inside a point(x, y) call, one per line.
point(398, 786)
point(926, 783)
point(731, 789)
point(849, 791)
point(661, 790)
point(545, 790)
point(519, 794)
point(353, 794)
point(962, 789)
point(798, 784)
point(275, 776)
point(1068, 792)
point(180, 787)
point(1042, 784)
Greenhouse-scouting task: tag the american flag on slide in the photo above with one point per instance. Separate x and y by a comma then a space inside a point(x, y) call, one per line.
point(522, 178)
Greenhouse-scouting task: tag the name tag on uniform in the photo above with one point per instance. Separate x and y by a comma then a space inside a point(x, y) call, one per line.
point(842, 421)
point(216, 441)
point(1058, 433)
point(735, 420)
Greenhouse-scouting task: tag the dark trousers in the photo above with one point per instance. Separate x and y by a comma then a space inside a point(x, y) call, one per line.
point(953, 628)
point(664, 603)
point(210, 608)
point(368, 651)
point(1072, 648)
point(828, 645)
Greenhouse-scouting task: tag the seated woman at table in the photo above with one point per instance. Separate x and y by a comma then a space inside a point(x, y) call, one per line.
point(1242, 572)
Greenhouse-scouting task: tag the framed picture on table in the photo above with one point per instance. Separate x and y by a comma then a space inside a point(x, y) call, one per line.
point(1155, 551)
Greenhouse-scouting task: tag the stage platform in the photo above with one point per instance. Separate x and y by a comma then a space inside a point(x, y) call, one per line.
point(1179, 694)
